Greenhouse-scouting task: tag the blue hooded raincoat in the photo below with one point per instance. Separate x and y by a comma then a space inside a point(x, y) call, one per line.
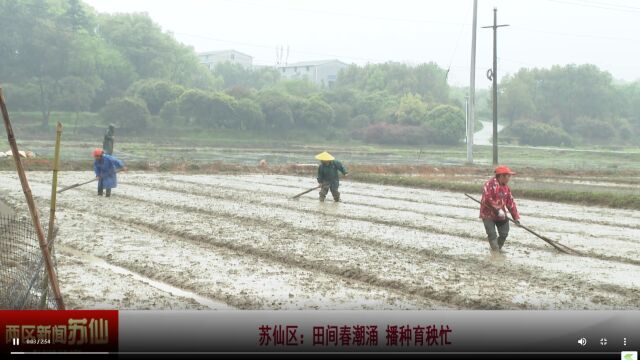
point(106, 169)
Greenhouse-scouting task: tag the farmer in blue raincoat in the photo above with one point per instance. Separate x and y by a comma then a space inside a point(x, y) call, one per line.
point(105, 167)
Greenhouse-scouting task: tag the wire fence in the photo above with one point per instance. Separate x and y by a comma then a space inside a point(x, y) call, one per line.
point(24, 282)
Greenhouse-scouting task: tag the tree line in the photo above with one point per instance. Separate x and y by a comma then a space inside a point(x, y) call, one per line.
point(566, 105)
point(62, 55)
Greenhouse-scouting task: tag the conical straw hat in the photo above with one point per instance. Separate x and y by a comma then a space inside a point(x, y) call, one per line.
point(325, 156)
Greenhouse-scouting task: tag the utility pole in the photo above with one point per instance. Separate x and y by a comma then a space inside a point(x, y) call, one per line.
point(492, 74)
point(472, 88)
point(466, 120)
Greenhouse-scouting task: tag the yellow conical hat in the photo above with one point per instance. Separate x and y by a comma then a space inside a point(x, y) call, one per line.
point(325, 156)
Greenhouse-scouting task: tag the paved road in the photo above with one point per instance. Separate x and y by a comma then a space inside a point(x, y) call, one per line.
point(485, 135)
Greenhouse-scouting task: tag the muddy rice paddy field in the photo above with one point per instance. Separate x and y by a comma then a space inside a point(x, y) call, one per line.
point(176, 241)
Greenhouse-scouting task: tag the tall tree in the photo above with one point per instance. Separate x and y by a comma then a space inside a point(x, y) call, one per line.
point(154, 53)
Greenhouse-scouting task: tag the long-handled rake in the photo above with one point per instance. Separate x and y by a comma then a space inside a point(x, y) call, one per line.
point(560, 247)
point(306, 191)
point(82, 183)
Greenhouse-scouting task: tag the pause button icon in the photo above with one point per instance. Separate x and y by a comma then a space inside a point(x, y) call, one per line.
point(16, 341)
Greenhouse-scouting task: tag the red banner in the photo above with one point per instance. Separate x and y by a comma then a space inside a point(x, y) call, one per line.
point(58, 331)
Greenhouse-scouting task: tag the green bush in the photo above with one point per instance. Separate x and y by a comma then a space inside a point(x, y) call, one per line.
point(155, 93)
point(316, 114)
point(342, 114)
point(447, 124)
point(411, 111)
point(22, 97)
point(210, 109)
point(359, 121)
point(539, 134)
point(393, 134)
point(250, 115)
point(593, 129)
point(277, 110)
point(195, 107)
point(222, 107)
point(128, 112)
point(170, 112)
point(624, 129)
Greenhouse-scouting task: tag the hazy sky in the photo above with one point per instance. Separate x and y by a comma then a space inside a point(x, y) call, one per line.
point(540, 32)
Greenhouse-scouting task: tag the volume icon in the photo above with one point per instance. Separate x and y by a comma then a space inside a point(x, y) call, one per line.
point(582, 341)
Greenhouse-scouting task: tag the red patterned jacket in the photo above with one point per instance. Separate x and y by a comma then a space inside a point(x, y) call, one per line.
point(497, 196)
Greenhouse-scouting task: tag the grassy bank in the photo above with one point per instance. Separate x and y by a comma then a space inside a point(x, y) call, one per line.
point(590, 198)
point(174, 143)
point(457, 179)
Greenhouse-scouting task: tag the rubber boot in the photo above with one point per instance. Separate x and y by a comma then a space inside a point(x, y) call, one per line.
point(493, 243)
point(501, 241)
point(108, 192)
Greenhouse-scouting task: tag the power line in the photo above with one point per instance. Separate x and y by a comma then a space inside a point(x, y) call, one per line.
point(596, 6)
point(370, 60)
point(520, 28)
point(493, 76)
point(516, 61)
point(455, 49)
point(271, 47)
point(612, 4)
point(370, 17)
point(325, 55)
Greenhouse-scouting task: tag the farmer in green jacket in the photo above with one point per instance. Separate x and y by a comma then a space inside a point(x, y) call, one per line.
point(328, 175)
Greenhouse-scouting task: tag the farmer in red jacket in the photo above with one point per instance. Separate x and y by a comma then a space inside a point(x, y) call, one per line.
point(496, 199)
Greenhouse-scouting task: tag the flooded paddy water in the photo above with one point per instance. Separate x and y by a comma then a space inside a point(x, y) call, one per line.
point(176, 241)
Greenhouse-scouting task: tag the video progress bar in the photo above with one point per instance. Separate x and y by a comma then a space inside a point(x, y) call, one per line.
point(319, 352)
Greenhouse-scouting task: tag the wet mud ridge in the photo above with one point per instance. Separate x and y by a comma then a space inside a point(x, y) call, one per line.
point(204, 241)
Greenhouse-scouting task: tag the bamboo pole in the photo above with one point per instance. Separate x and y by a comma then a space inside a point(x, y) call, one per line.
point(52, 210)
point(35, 217)
point(54, 183)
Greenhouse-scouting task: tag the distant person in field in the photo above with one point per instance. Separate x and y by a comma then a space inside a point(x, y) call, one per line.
point(107, 143)
point(328, 175)
point(496, 199)
point(105, 167)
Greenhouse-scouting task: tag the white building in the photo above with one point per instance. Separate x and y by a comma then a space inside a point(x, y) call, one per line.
point(321, 72)
point(213, 58)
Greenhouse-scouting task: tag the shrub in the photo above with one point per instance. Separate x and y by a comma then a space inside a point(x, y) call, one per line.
point(447, 124)
point(194, 105)
point(23, 97)
point(128, 112)
point(593, 129)
point(277, 111)
point(250, 115)
point(170, 112)
point(155, 93)
point(537, 133)
point(382, 133)
point(411, 111)
point(360, 121)
point(316, 114)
